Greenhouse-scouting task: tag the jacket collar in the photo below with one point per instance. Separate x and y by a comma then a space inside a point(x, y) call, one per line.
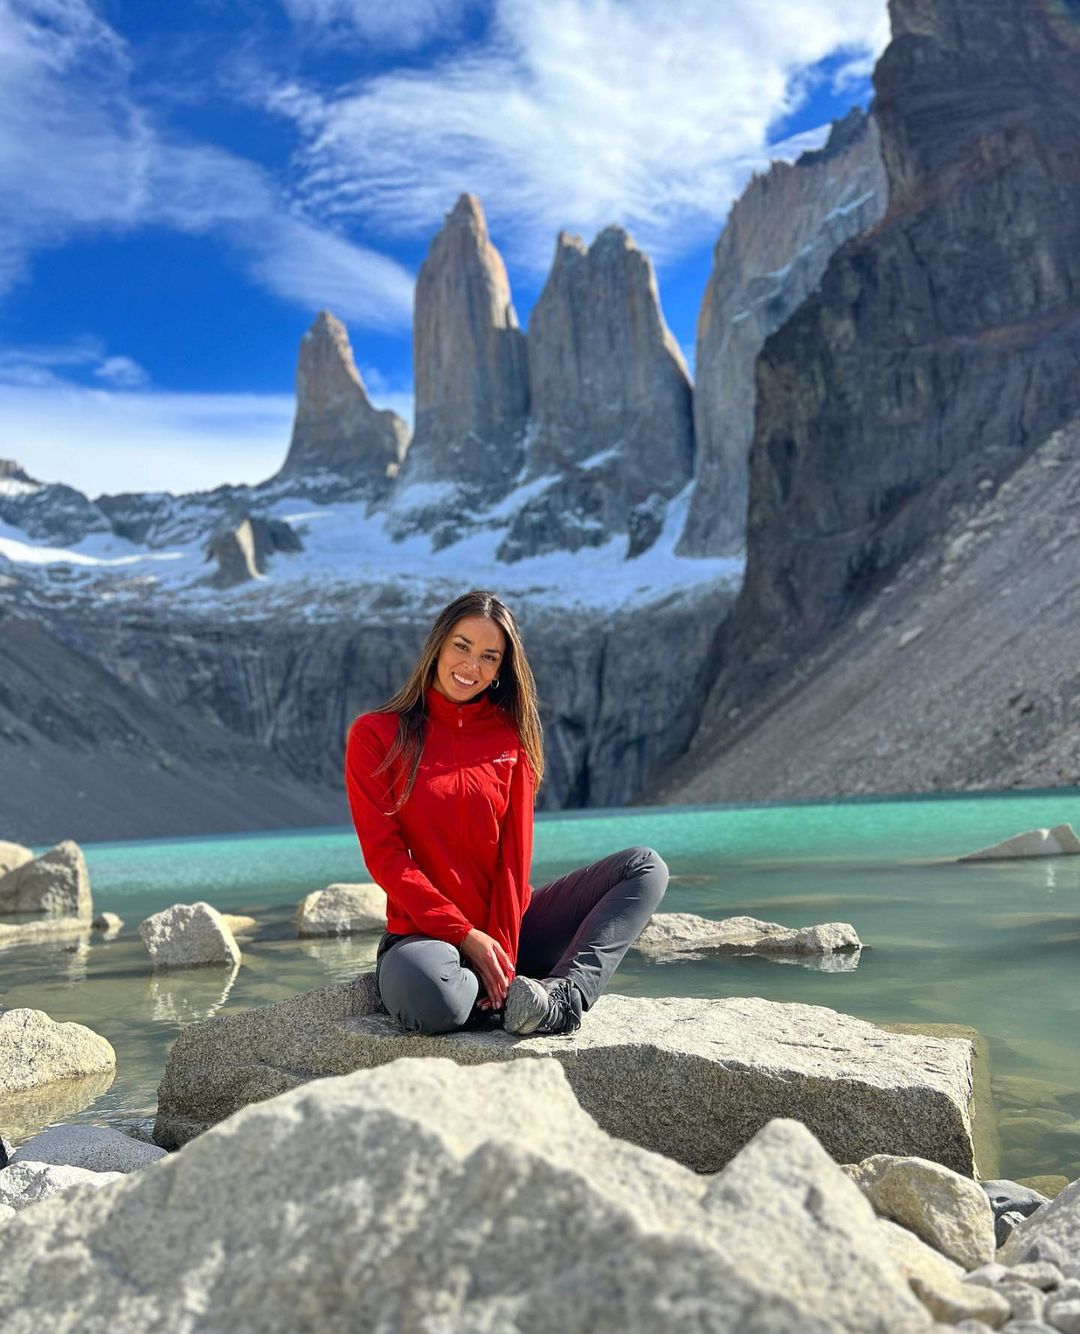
point(446, 711)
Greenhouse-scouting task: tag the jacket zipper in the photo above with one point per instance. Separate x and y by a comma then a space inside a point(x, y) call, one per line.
point(461, 778)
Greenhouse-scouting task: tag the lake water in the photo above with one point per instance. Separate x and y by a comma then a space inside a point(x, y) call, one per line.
point(994, 946)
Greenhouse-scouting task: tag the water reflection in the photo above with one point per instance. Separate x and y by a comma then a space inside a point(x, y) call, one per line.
point(182, 996)
point(342, 957)
point(24, 1114)
point(845, 961)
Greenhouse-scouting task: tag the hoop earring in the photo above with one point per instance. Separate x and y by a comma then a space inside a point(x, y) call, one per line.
point(495, 684)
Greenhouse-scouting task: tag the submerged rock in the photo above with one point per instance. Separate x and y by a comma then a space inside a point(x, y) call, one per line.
point(692, 1079)
point(341, 910)
point(56, 883)
point(1056, 842)
point(188, 935)
point(423, 1158)
point(677, 933)
point(35, 1050)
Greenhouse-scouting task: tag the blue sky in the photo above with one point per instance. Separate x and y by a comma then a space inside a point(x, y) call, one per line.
point(187, 184)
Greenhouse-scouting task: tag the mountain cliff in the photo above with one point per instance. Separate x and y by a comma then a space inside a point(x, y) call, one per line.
point(940, 348)
point(781, 233)
point(610, 417)
point(336, 429)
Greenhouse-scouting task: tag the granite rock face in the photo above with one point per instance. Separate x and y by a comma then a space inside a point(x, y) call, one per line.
point(35, 1050)
point(341, 910)
point(336, 429)
point(469, 366)
point(714, 1071)
point(948, 1211)
point(424, 1158)
point(675, 933)
point(941, 346)
point(610, 400)
point(56, 883)
point(242, 548)
point(24, 1183)
point(781, 233)
point(13, 855)
point(93, 1148)
point(189, 935)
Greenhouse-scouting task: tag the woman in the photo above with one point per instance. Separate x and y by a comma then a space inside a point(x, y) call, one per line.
point(441, 782)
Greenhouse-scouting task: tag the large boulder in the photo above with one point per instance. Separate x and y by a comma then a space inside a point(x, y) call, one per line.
point(35, 1050)
point(675, 933)
point(692, 1079)
point(55, 883)
point(189, 935)
point(1055, 842)
point(527, 1216)
point(25, 1183)
point(95, 1148)
point(341, 910)
point(13, 855)
point(950, 1212)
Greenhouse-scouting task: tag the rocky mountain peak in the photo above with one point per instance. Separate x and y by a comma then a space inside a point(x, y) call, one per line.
point(777, 240)
point(469, 361)
point(336, 429)
point(609, 394)
point(10, 471)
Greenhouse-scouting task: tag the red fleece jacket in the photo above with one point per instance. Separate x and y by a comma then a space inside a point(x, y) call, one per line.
point(457, 853)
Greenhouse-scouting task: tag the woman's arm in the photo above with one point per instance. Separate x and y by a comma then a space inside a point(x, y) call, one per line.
point(386, 853)
point(510, 892)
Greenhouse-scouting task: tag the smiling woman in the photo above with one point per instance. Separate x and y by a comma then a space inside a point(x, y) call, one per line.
point(441, 782)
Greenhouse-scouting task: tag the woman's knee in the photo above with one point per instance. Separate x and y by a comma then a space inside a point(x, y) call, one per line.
point(647, 865)
point(424, 987)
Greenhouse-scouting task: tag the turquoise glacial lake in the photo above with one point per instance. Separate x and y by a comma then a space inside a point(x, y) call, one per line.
point(992, 945)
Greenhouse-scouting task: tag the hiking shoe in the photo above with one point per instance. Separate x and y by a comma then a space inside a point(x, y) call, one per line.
point(542, 1008)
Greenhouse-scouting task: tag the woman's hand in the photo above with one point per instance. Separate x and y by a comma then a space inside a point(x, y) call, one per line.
point(493, 964)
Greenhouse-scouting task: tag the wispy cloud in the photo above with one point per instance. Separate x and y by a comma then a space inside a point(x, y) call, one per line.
point(80, 155)
point(402, 25)
point(45, 365)
point(575, 113)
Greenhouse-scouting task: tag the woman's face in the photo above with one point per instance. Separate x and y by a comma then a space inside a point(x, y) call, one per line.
point(469, 659)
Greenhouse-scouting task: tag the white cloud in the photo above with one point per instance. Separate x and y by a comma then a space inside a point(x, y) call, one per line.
point(99, 440)
point(402, 25)
point(576, 113)
point(79, 155)
point(123, 372)
point(38, 365)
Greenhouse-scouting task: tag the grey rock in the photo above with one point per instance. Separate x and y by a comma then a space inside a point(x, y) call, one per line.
point(26, 1182)
point(1041, 1275)
point(906, 379)
point(336, 429)
point(469, 366)
point(610, 402)
point(779, 236)
point(13, 855)
point(656, 1072)
point(1025, 1302)
point(47, 512)
point(1056, 842)
point(56, 883)
point(671, 934)
point(189, 935)
point(938, 1282)
point(1005, 1223)
point(6, 1212)
point(1051, 1233)
point(1010, 1197)
point(95, 1148)
point(947, 1210)
point(242, 548)
point(1064, 1316)
point(988, 1275)
point(779, 1241)
point(35, 1050)
point(341, 910)
point(108, 922)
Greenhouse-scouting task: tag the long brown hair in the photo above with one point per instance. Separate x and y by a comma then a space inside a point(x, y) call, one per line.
point(514, 689)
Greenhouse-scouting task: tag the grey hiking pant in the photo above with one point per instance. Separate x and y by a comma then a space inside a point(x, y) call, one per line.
point(578, 926)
